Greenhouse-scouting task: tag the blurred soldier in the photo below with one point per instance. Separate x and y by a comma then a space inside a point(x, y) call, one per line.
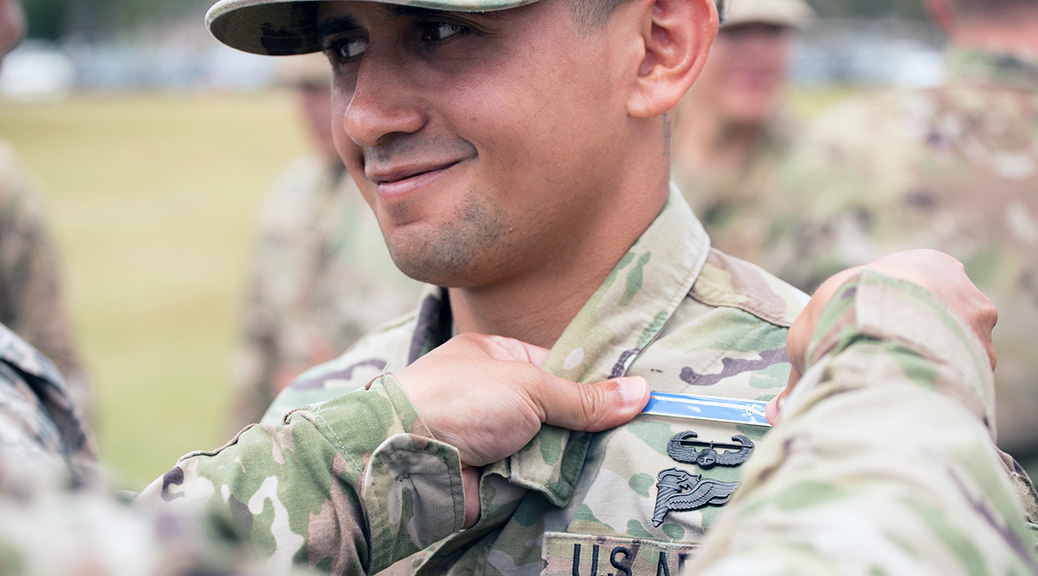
point(726, 161)
point(953, 167)
point(30, 282)
point(57, 516)
point(321, 276)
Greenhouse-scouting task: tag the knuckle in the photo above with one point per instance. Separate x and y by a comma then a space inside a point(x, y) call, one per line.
point(593, 403)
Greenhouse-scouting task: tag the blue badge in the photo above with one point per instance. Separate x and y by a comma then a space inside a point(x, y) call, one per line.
point(707, 408)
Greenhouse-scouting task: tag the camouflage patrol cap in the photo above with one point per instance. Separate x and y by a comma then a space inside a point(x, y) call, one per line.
point(284, 27)
point(792, 13)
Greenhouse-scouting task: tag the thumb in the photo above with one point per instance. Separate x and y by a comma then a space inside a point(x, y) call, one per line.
point(593, 407)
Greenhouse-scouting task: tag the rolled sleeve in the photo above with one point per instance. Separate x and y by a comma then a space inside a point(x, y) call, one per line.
point(353, 484)
point(884, 461)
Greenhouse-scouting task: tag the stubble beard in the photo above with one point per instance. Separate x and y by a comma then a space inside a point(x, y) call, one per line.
point(467, 251)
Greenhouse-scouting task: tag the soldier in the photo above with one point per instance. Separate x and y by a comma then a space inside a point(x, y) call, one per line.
point(320, 276)
point(954, 167)
point(30, 283)
point(516, 156)
point(726, 162)
point(57, 516)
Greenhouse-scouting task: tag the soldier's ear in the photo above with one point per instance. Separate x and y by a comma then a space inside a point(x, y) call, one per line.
point(676, 35)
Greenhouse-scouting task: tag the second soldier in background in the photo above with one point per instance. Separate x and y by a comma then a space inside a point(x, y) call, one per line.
point(726, 161)
point(953, 167)
point(320, 276)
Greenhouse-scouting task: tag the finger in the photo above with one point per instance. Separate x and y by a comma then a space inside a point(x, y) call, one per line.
point(470, 482)
point(774, 406)
point(988, 321)
point(593, 407)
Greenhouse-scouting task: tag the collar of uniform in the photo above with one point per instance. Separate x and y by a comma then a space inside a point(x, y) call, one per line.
point(972, 66)
point(623, 316)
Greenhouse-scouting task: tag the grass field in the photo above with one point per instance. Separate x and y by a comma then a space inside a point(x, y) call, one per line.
point(152, 202)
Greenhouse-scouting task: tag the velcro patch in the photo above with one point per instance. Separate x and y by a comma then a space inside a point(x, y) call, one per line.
point(584, 555)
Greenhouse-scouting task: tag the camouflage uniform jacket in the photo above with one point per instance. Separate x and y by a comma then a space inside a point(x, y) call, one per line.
point(884, 462)
point(30, 284)
point(321, 278)
point(954, 168)
point(735, 208)
point(354, 483)
point(673, 311)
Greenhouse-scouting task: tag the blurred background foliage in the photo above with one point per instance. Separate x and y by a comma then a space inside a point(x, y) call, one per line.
point(54, 19)
point(154, 147)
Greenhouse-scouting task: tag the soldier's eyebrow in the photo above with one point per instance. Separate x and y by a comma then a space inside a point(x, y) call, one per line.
point(335, 25)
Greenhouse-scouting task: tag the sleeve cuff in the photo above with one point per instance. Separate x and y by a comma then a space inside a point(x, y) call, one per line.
point(876, 307)
point(412, 490)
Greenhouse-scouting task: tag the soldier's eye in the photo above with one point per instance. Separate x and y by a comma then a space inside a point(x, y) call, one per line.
point(439, 31)
point(345, 50)
point(351, 49)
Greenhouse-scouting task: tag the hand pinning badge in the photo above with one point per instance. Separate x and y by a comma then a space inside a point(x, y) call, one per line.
point(681, 491)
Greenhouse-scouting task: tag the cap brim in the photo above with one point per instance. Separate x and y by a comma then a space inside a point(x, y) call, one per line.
point(792, 17)
point(286, 27)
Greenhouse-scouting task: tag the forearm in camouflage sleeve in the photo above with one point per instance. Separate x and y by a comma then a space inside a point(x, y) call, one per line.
point(347, 486)
point(884, 462)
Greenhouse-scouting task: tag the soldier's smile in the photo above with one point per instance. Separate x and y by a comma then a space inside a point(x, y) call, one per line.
point(403, 180)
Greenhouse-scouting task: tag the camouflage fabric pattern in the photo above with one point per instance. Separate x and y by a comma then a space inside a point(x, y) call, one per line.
point(336, 486)
point(40, 424)
point(59, 518)
point(50, 529)
point(353, 483)
point(321, 277)
point(818, 497)
point(673, 311)
point(953, 168)
point(30, 282)
point(736, 208)
point(286, 27)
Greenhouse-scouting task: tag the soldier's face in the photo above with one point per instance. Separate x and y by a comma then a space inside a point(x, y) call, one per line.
point(481, 141)
point(746, 72)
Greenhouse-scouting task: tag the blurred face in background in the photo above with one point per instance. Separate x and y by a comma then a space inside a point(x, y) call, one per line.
point(315, 103)
point(745, 75)
point(12, 25)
